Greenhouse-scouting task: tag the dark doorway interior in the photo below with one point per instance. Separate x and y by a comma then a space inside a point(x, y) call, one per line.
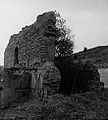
point(67, 76)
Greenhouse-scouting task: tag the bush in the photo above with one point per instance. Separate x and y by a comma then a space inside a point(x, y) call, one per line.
point(77, 76)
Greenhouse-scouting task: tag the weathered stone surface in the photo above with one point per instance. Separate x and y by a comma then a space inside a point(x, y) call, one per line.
point(14, 86)
point(52, 79)
point(49, 77)
point(36, 41)
point(32, 47)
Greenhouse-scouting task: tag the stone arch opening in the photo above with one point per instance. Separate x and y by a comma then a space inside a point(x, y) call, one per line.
point(16, 51)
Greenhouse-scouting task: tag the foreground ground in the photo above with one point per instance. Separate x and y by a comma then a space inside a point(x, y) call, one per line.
point(84, 106)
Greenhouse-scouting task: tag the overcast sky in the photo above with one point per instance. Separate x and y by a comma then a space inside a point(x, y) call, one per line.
point(88, 19)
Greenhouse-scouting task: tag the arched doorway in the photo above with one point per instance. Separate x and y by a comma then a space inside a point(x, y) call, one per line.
point(16, 61)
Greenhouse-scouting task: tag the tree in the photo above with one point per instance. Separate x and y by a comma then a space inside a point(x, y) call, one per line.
point(85, 49)
point(64, 39)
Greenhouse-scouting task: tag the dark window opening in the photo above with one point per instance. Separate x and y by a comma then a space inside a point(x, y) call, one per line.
point(16, 61)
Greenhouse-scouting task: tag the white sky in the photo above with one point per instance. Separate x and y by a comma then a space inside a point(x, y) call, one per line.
point(87, 18)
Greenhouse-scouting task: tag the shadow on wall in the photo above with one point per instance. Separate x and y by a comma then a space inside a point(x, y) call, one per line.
point(73, 81)
point(76, 76)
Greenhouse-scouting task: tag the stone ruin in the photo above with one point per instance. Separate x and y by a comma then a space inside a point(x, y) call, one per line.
point(29, 62)
point(29, 59)
point(33, 45)
point(78, 76)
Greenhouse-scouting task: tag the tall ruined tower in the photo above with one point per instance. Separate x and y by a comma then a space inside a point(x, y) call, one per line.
point(34, 44)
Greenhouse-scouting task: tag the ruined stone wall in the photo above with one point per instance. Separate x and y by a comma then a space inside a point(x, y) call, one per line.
point(15, 85)
point(35, 42)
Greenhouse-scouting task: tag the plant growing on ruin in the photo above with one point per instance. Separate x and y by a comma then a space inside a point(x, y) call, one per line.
point(65, 40)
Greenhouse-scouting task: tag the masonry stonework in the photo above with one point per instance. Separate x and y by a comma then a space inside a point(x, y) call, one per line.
point(35, 43)
point(33, 47)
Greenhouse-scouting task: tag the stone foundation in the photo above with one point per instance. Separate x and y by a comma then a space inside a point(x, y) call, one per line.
point(14, 86)
point(47, 80)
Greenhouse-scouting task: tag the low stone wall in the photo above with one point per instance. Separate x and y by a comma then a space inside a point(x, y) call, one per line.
point(14, 87)
point(46, 80)
point(51, 79)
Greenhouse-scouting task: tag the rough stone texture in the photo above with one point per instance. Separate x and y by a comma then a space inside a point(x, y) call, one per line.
point(31, 48)
point(51, 78)
point(48, 79)
point(95, 76)
point(14, 86)
point(35, 43)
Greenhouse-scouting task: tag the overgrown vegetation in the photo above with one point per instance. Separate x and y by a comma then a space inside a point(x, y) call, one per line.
point(97, 55)
point(85, 49)
point(86, 106)
point(65, 38)
point(77, 76)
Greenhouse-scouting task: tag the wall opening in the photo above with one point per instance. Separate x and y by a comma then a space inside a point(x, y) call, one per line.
point(16, 61)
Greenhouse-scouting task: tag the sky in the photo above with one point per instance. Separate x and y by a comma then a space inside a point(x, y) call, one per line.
point(88, 19)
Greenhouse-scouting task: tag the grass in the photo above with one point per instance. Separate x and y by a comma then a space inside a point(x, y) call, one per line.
point(90, 105)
